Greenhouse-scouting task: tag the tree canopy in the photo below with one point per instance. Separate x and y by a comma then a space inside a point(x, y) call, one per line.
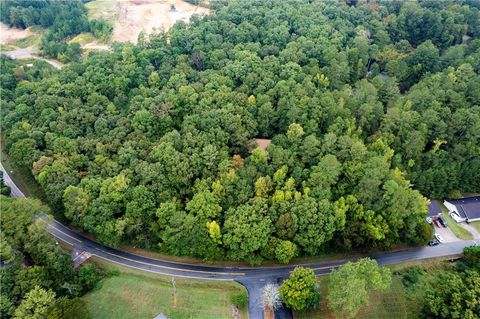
point(36, 274)
point(349, 286)
point(300, 291)
point(155, 144)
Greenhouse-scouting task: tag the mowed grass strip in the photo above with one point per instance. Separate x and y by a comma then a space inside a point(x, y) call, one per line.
point(134, 296)
point(458, 230)
point(476, 225)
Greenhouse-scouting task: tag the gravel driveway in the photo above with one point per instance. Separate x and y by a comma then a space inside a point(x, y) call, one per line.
point(447, 234)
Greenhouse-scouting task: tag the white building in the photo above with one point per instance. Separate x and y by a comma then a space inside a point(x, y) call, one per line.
point(467, 209)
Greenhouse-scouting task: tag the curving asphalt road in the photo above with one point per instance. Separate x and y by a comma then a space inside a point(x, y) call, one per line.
point(252, 278)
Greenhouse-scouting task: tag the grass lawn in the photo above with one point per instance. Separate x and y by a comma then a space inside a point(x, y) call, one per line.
point(458, 230)
point(476, 225)
point(135, 294)
point(21, 175)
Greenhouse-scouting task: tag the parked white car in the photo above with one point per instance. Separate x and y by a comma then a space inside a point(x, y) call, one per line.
point(439, 237)
point(455, 217)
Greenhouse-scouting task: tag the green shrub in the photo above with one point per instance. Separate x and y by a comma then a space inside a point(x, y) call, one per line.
point(240, 299)
point(411, 276)
point(472, 257)
point(69, 308)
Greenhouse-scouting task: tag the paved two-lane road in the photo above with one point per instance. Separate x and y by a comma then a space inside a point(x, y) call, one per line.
point(252, 278)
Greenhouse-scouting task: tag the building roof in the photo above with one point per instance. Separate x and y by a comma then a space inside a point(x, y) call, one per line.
point(434, 208)
point(468, 207)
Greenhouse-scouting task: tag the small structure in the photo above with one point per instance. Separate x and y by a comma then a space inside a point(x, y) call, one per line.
point(79, 256)
point(467, 208)
point(161, 316)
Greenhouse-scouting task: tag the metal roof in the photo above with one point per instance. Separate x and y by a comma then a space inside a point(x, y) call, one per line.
point(468, 207)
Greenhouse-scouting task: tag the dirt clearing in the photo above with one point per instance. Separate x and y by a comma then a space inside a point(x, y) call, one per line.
point(8, 34)
point(133, 16)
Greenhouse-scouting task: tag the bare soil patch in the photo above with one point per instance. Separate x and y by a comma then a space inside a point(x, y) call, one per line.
point(133, 16)
point(8, 34)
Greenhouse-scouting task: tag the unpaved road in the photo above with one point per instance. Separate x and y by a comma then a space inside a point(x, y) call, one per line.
point(30, 53)
point(19, 53)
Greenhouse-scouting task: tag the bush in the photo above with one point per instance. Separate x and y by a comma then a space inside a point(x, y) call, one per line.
point(472, 257)
point(240, 299)
point(69, 308)
point(411, 276)
point(87, 277)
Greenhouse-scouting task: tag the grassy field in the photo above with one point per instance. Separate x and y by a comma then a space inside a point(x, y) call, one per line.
point(136, 294)
point(476, 225)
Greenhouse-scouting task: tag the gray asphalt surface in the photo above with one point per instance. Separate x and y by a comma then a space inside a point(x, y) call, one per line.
point(15, 191)
point(252, 278)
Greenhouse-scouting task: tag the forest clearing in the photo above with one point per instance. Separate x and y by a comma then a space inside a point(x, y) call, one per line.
point(131, 17)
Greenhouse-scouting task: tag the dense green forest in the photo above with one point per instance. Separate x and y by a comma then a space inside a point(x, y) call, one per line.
point(36, 276)
point(63, 19)
point(370, 107)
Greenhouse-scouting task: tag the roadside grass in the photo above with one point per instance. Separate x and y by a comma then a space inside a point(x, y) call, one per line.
point(470, 194)
point(21, 175)
point(476, 225)
point(228, 263)
point(426, 264)
point(136, 294)
point(458, 230)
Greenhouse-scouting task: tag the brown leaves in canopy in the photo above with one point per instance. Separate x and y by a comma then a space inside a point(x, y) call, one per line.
point(237, 161)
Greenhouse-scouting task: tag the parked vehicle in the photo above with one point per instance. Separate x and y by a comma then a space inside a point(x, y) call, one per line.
point(433, 242)
point(455, 217)
point(439, 237)
point(443, 222)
